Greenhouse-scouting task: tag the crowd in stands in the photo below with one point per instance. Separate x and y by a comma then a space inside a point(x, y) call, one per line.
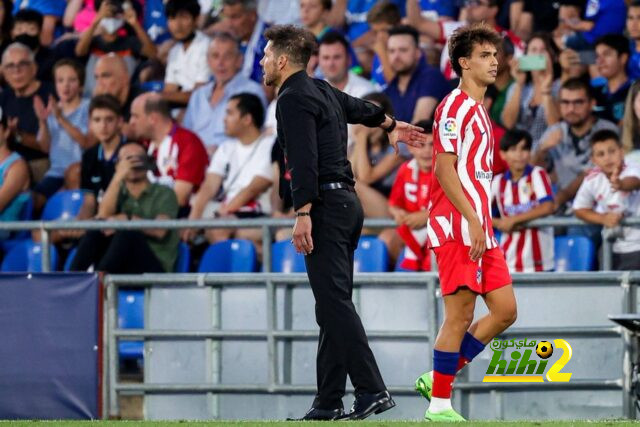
point(157, 109)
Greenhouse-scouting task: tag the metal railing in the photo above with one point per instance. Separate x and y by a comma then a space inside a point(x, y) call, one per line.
point(271, 281)
point(266, 225)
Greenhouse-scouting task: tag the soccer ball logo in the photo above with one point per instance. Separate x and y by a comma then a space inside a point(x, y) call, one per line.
point(544, 349)
point(450, 125)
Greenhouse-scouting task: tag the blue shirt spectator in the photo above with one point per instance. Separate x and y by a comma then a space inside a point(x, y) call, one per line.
point(608, 17)
point(438, 9)
point(155, 21)
point(45, 7)
point(64, 150)
point(356, 16)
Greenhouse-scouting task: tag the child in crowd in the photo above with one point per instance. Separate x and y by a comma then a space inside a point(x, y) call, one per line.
point(521, 194)
point(609, 193)
point(408, 203)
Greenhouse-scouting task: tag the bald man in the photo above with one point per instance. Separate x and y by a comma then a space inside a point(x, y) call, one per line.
point(111, 77)
point(180, 157)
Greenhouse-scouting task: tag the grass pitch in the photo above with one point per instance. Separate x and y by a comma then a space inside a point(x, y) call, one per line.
point(384, 423)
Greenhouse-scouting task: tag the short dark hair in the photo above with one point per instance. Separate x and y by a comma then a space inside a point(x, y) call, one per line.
point(192, 7)
point(618, 42)
point(30, 16)
point(464, 38)
point(384, 11)
point(512, 137)
point(578, 83)
point(105, 102)
point(425, 124)
point(382, 99)
point(604, 135)
point(405, 30)
point(226, 36)
point(296, 43)
point(249, 103)
point(246, 4)
point(157, 104)
point(333, 37)
point(68, 62)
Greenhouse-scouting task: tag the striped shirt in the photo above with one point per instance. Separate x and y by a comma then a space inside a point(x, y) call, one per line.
point(461, 126)
point(531, 249)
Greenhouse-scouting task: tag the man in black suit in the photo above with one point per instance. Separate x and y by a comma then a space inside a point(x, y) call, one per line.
point(312, 128)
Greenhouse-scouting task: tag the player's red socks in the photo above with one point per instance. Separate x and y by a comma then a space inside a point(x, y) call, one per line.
point(444, 371)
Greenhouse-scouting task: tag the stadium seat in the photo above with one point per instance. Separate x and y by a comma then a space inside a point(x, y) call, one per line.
point(574, 253)
point(64, 205)
point(371, 256)
point(398, 268)
point(69, 260)
point(18, 236)
point(229, 256)
point(284, 258)
point(184, 258)
point(27, 256)
point(131, 316)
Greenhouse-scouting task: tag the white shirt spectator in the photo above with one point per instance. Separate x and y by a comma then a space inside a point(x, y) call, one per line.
point(358, 86)
point(238, 164)
point(186, 68)
point(596, 193)
point(279, 11)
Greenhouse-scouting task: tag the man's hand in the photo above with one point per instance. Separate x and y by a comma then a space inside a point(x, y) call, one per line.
point(417, 220)
point(407, 133)
point(504, 224)
point(611, 219)
point(552, 140)
point(118, 217)
point(39, 108)
point(302, 240)
point(123, 167)
point(129, 14)
point(615, 180)
point(478, 242)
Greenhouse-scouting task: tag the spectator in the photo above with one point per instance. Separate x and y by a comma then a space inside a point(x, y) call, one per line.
point(601, 17)
point(417, 87)
point(334, 59)
point(207, 106)
point(631, 125)
point(242, 20)
point(112, 78)
point(51, 10)
point(530, 101)
point(27, 27)
point(477, 11)
point(573, 65)
point(504, 81)
point(608, 194)
point(382, 17)
point(522, 194)
point(374, 163)
point(569, 12)
point(16, 101)
point(6, 23)
point(408, 203)
point(105, 36)
point(564, 147)
point(313, 14)
point(63, 131)
point(633, 29)
point(78, 15)
point(180, 158)
point(187, 62)
point(280, 11)
point(130, 196)
point(14, 181)
point(440, 10)
point(239, 174)
point(537, 16)
point(612, 56)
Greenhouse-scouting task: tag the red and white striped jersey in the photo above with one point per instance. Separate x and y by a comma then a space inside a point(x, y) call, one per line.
point(461, 126)
point(531, 249)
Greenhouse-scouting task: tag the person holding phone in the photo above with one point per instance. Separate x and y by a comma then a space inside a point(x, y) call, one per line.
point(531, 100)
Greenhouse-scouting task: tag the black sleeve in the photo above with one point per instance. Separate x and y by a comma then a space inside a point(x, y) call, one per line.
point(360, 111)
point(85, 173)
point(301, 147)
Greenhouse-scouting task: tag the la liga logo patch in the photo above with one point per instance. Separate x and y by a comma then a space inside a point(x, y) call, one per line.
point(450, 129)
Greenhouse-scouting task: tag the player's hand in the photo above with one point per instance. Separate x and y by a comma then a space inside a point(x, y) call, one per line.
point(301, 239)
point(417, 220)
point(478, 242)
point(611, 219)
point(407, 133)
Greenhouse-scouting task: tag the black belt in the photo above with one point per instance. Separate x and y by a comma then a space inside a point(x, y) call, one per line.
point(336, 186)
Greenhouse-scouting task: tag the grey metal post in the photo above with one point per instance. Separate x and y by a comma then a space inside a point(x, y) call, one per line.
point(287, 352)
point(216, 347)
point(271, 340)
point(44, 254)
point(113, 347)
point(106, 333)
point(266, 248)
point(629, 355)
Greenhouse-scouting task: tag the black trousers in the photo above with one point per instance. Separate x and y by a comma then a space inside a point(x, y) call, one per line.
point(343, 348)
point(124, 252)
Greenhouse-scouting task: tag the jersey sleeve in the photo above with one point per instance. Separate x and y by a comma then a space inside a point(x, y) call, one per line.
point(192, 160)
point(541, 185)
point(220, 160)
point(585, 198)
point(396, 198)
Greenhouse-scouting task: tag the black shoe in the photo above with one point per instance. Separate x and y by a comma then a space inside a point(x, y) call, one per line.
point(369, 403)
point(315, 414)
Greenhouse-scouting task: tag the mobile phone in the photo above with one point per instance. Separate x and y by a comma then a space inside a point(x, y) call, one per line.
point(532, 62)
point(587, 57)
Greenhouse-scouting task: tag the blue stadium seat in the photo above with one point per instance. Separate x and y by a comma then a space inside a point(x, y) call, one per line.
point(69, 260)
point(284, 258)
point(184, 258)
point(131, 316)
point(574, 253)
point(229, 256)
point(400, 259)
point(16, 237)
point(371, 256)
point(27, 256)
point(63, 205)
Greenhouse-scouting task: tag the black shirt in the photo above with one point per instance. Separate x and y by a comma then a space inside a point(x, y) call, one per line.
point(545, 14)
point(312, 128)
point(284, 185)
point(97, 170)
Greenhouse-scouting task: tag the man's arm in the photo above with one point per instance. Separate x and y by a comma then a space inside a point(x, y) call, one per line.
point(183, 191)
point(427, 27)
point(447, 176)
point(508, 223)
point(336, 17)
point(109, 204)
point(172, 93)
point(569, 192)
point(609, 219)
point(256, 187)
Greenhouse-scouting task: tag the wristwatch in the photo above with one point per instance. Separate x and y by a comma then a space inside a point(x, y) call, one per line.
point(392, 126)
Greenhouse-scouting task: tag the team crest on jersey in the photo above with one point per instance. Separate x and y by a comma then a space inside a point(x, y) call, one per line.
point(450, 128)
point(479, 275)
point(526, 189)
